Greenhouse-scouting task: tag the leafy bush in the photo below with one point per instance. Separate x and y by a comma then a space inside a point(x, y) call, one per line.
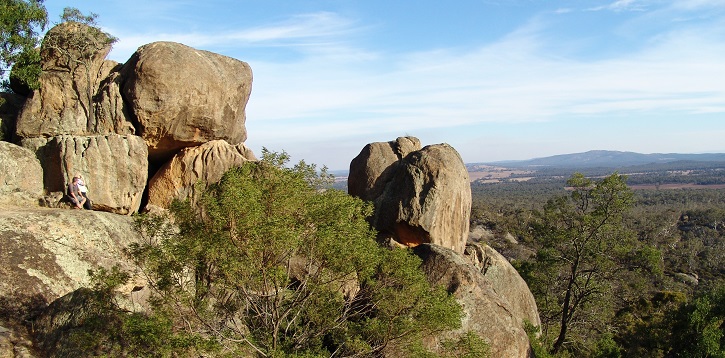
point(271, 263)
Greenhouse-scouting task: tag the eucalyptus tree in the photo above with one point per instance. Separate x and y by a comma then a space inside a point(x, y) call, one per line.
point(21, 22)
point(270, 264)
point(583, 249)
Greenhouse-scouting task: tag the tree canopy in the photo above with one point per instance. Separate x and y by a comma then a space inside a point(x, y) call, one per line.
point(21, 22)
point(583, 248)
point(271, 264)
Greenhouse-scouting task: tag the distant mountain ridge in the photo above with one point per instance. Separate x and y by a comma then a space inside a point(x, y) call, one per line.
point(606, 159)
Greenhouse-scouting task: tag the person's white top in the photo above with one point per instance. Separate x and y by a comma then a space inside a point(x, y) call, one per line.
point(81, 186)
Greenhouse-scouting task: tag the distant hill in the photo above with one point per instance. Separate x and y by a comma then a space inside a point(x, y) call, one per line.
point(607, 159)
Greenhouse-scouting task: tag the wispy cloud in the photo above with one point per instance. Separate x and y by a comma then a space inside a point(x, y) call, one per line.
point(622, 5)
point(318, 30)
point(335, 88)
point(519, 78)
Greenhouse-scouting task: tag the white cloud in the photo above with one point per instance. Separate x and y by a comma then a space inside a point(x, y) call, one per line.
point(315, 30)
point(518, 79)
point(334, 90)
point(622, 5)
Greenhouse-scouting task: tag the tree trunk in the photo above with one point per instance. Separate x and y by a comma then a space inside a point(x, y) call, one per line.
point(565, 310)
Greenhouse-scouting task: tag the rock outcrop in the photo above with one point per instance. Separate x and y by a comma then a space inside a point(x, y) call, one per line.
point(112, 122)
point(21, 176)
point(47, 254)
point(206, 163)
point(112, 113)
point(489, 307)
point(182, 97)
point(504, 280)
point(182, 110)
point(63, 103)
point(374, 167)
point(420, 195)
point(114, 167)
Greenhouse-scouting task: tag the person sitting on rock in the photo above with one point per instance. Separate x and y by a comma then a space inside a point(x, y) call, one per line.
point(83, 190)
point(74, 195)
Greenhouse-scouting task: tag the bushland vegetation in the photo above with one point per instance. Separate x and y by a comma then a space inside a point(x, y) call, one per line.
point(616, 272)
point(271, 262)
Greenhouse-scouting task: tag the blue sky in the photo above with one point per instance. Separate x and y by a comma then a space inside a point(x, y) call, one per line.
point(496, 79)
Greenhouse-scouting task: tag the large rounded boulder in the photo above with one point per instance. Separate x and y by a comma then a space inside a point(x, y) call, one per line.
point(182, 97)
point(422, 197)
point(371, 170)
point(193, 169)
point(489, 309)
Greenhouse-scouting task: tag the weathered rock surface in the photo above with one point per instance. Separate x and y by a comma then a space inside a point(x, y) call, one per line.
point(183, 97)
point(504, 280)
point(371, 170)
point(422, 197)
point(178, 178)
point(21, 176)
point(487, 311)
point(46, 253)
point(61, 106)
point(15, 343)
point(112, 113)
point(114, 167)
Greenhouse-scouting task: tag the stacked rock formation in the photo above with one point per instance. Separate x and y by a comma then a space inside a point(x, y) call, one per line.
point(181, 110)
point(115, 124)
point(422, 199)
point(421, 195)
point(169, 107)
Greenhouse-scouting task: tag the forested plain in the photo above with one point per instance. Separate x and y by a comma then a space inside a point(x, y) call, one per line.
point(654, 283)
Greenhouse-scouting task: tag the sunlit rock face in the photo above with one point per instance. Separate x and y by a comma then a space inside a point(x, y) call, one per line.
point(21, 179)
point(421, 195)
point(191, 171)
point(64, 104)
point(183, 97)
point(496, 301)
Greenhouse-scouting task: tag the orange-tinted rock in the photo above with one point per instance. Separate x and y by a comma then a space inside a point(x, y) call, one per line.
point(420, 195)
point(204, 164)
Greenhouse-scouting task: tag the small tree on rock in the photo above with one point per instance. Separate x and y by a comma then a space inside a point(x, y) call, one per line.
point(77, 47)
point(270, 265)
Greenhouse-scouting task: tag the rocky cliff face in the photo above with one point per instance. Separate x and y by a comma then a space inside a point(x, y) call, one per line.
point(422, 199)
point(421, 195)
point(108, 121)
